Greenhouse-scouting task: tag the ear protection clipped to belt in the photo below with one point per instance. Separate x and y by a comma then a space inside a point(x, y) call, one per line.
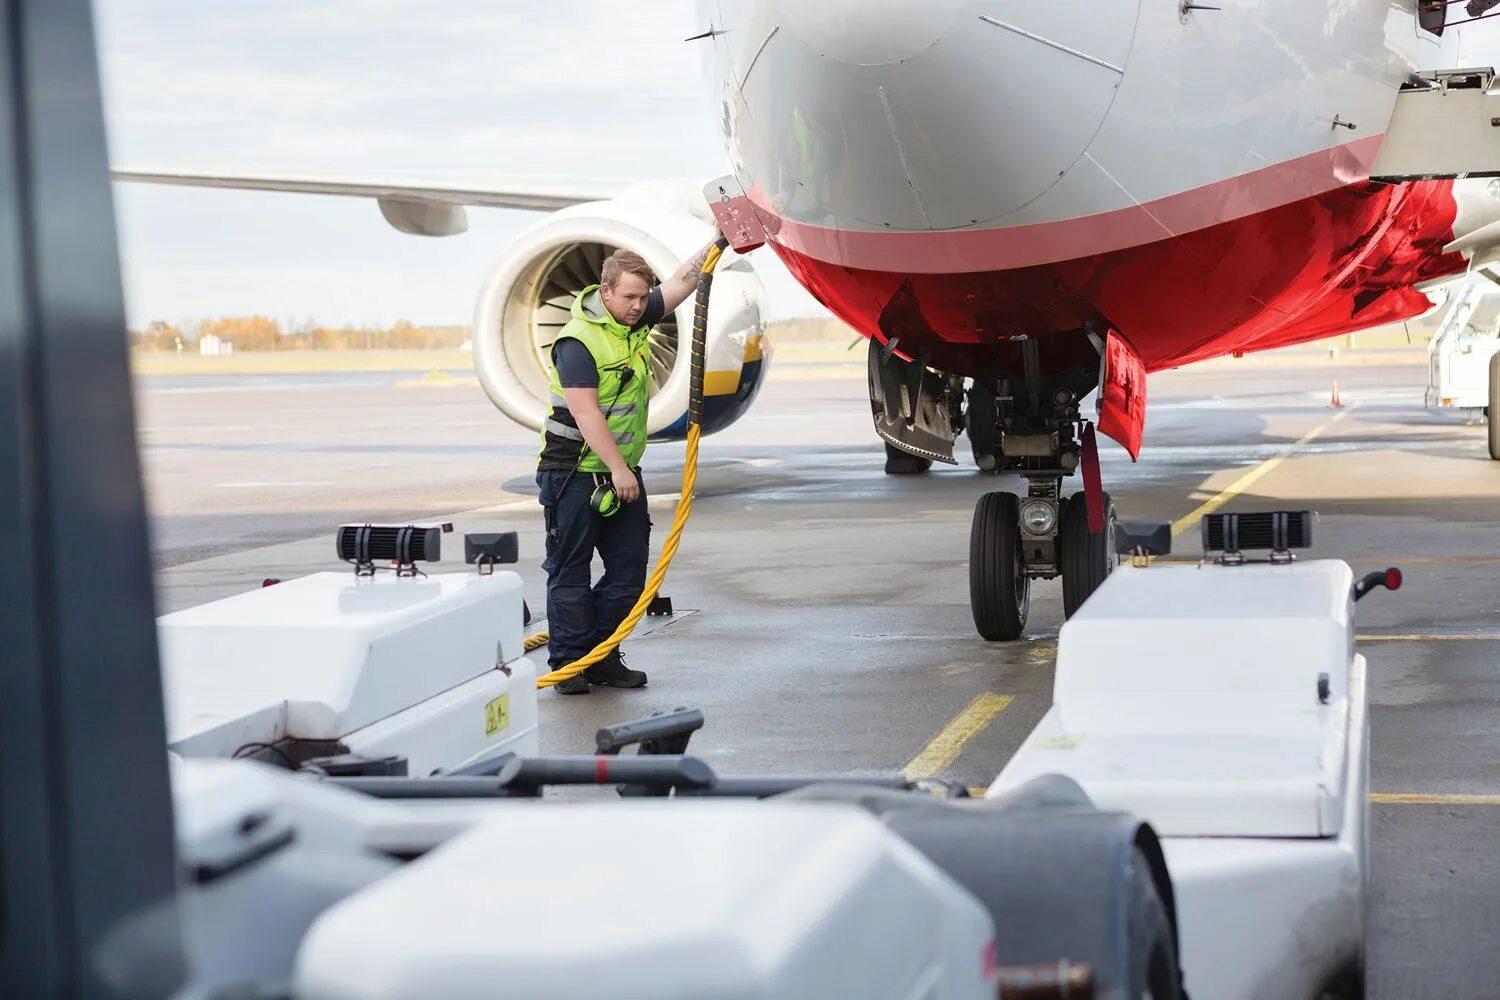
point(604, 501)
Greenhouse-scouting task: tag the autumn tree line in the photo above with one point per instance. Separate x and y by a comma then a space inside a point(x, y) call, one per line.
point(261, 333)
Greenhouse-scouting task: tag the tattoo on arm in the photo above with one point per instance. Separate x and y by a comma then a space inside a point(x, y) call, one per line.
point(681, 285)
point(692, 267)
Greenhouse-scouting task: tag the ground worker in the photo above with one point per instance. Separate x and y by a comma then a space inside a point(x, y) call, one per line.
point(591, 491)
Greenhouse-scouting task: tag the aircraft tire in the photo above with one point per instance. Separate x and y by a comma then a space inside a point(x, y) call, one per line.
point(1086, 558)
point(981, 428)
point(899, 463)
point(999, 590)
point(1494, 408)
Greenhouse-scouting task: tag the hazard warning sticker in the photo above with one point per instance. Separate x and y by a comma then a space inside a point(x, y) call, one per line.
point(497, 715)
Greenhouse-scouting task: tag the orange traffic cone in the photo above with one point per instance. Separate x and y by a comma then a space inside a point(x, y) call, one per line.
point(1334, 400)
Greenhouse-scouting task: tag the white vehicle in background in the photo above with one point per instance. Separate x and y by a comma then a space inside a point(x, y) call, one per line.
point(1463, 358)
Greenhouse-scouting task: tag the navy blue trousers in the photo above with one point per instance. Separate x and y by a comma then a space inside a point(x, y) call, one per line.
point(581, 614)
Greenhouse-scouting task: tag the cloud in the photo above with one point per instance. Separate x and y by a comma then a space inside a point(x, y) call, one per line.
point(357, 78)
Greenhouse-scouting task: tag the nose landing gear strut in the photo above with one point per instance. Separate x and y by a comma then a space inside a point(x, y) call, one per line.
point(1038, 432)
point(1028, 425)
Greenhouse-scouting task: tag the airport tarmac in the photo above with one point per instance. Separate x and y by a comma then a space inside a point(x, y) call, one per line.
point(824, 623)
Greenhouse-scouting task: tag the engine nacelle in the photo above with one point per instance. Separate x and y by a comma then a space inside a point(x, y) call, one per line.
point(528, 296)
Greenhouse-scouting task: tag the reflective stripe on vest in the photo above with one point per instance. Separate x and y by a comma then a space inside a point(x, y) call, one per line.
point(562, 430)
point(574, 434)
point(619, 410)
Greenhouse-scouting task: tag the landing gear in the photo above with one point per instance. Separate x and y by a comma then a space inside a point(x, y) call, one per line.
point(1087, 557)
point(1017, 539)
point(1029, 423)
point(981, 421)
point(1022, 417)
point(999, 589)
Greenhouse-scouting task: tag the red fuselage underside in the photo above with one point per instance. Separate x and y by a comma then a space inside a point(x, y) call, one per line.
point(1340, 261)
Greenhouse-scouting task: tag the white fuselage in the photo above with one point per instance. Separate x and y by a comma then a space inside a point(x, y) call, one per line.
point(959, 173)
point(963, 117)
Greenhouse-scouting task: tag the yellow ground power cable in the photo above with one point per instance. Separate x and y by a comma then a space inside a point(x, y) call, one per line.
point(685, 499)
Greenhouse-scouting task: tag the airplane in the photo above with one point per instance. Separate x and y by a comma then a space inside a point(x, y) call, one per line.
point(1022, 205)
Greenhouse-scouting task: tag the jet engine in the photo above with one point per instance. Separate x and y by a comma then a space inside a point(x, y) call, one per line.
point(528, 296)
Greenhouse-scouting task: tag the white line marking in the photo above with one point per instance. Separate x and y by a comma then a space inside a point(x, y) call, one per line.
point(268, 484)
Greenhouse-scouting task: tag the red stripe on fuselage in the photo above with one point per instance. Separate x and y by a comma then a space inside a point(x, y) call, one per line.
point(1340, 260)
point(959, 251)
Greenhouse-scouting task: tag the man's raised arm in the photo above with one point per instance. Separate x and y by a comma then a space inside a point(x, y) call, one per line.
point(676, 289)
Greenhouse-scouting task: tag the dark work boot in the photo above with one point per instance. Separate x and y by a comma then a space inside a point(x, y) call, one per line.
point(577, 684)
point(612, 672)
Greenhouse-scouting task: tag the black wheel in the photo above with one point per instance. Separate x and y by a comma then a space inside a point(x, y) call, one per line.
point(999, 591)
point(981, 428)
point(899, 463)
point(1350, 985)
point(1494, 407)
point(1154, 970)
point(1086, 558)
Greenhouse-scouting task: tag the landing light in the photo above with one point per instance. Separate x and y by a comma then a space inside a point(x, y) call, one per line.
point(1038, 517)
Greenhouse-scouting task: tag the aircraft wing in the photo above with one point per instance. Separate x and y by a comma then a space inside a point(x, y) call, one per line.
point(422, 208)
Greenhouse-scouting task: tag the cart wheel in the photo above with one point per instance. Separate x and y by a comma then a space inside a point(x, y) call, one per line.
point(1154, 970)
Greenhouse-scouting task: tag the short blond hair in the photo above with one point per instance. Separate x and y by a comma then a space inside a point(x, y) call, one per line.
point(623, 262)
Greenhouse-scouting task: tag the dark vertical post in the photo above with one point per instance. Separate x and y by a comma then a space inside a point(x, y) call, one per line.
point(87, 880)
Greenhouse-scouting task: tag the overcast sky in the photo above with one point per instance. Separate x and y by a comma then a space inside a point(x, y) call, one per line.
point(488, 89)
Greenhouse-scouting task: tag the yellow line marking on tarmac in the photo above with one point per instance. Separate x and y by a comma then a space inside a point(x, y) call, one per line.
point(1477, 637)
point(945, 747)
point(1432, 799)
point(1240, 485)
point(437, 380)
